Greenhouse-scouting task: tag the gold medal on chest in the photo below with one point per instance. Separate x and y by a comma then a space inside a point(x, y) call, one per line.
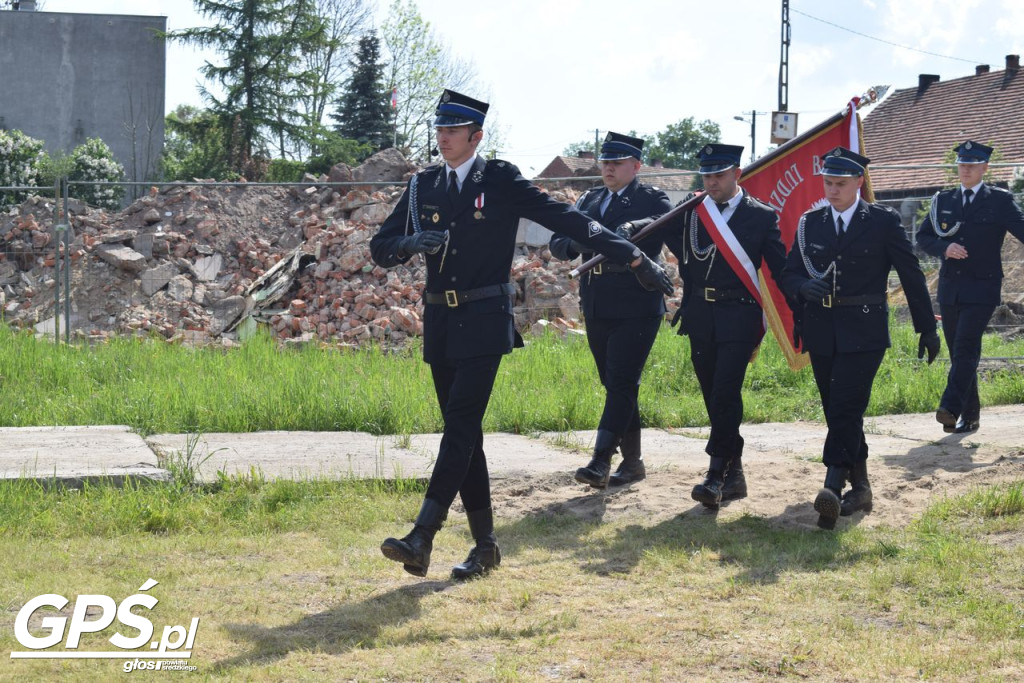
point(478, 215)
point(436, 218)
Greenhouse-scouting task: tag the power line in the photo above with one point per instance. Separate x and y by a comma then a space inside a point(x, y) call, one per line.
point(887, 42)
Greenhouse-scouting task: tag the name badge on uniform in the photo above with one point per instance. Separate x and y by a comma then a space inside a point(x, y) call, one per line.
point(479, 204)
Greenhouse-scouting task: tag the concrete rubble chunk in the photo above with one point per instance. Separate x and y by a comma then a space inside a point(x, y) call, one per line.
point(122, 257)
point(155, 279)
point(226, 312)
point(208, 267)
point(180, 288)
point(386, 165)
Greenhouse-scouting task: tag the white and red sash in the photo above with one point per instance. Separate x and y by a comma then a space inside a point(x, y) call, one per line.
point(731, 249)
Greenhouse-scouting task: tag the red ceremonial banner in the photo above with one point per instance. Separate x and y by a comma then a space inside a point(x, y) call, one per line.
point(788, 180)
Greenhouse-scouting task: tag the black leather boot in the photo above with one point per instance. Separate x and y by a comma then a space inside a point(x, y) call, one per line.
point(485, 555)
point(735, 485)
point(709, 493)
point(827, 502)
point(632, 466)
point(413, 550)
point(859, 495)
point(598, 470)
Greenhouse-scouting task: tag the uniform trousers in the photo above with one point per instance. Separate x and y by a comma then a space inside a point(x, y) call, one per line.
point(720, 368)
point(844, 383)
point(463, 389)
point(620, 347)
point(962, 326)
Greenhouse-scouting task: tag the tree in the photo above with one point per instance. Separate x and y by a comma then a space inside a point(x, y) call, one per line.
point(363, 109)
point(574, 149)
point(195, 146)
point(594, 146)
point(327, 62)
point(419, 67)
point(261, 41)
point(677, 146)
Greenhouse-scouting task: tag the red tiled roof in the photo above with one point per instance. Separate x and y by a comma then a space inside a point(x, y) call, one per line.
point(915, 126)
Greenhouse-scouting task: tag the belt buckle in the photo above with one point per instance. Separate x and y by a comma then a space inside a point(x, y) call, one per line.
point(826, 301)
point(596, 270)
point(451, 297)
point(709, 294)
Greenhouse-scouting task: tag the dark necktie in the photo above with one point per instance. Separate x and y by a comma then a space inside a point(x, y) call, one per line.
point(840, 228)
point(968, 196)
point(722, 206)
point(453, 187)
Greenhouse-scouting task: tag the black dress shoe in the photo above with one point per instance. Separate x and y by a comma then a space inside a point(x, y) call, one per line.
point(966, 426)
point(946, 419)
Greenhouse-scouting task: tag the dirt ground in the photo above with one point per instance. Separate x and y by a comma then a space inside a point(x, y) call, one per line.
point(912, 464)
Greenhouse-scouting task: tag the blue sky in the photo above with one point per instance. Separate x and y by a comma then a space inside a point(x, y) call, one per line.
point(554, 72)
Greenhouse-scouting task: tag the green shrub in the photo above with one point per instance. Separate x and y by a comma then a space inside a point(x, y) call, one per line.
point(20, 157)
point(285, 171)
point(92, 161)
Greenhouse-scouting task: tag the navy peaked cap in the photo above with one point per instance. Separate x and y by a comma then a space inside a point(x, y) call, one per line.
point(619, 146)
point(840, 161)
point(716, 157)
point(456, 109)
point(972, 152)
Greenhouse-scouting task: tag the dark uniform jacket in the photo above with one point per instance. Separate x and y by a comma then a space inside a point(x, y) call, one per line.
point(858, 319)
point(729, 313)
point(978, 278)
point(479, 251)
point(611, 291)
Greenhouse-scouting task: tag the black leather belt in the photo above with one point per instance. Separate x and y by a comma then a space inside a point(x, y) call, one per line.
point(715, 295)
point(453, 298)
point(604, 267)
point(863, 300)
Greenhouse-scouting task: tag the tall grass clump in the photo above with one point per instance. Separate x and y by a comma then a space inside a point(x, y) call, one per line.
point(551, 385)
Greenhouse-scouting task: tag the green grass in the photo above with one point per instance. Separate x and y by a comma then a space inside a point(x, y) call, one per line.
point(551, 385)
point(289, 584)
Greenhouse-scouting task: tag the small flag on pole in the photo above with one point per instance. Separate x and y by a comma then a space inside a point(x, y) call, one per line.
point(394, 98)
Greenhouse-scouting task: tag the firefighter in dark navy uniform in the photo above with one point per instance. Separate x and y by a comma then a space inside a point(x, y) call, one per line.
point(462, 216)
point(965, 230)
point(622, 317)
point(838, 271)
point(719, 311)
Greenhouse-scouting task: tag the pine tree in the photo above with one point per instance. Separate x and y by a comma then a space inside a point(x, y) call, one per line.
point(261, 41)
point(363, 108)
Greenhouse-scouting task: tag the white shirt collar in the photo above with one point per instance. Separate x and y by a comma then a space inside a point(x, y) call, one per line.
point(462, 171)
point(847, 215)
point(976, 189)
